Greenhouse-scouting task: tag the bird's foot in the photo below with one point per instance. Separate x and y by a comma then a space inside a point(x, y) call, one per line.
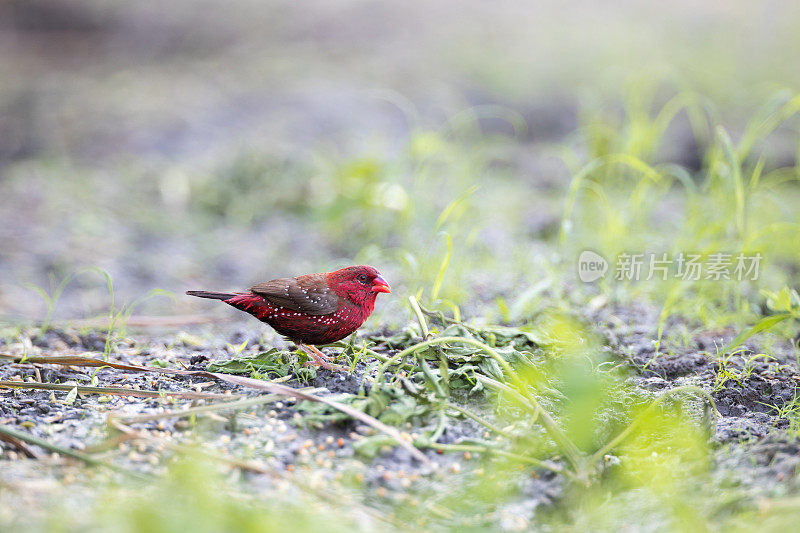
point(325, 364)
point(319, 353)
point(320, 359)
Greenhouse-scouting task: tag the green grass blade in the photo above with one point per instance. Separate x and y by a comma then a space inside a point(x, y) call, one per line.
point(764, 324)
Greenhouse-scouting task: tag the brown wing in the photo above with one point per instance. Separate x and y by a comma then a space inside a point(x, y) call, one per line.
point(308, 294)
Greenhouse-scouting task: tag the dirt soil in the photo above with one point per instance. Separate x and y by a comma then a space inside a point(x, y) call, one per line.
point(748, 444)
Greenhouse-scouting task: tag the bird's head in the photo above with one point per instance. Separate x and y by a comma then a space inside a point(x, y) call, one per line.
point(361, 284)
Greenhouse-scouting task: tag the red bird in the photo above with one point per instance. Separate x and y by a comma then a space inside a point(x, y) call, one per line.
point(311, 309)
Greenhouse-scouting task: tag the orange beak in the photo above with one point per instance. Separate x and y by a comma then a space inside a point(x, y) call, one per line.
point(379, 285)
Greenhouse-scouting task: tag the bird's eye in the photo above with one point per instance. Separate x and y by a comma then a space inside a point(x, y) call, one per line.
point(362, 278)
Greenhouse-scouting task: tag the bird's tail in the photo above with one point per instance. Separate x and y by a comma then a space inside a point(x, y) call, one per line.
point(211, 295)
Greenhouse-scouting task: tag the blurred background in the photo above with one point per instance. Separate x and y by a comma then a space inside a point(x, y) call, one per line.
point(470, 151)
point(198, 144)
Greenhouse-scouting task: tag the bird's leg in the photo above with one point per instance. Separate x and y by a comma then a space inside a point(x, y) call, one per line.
point(320, 359)
point(319, 353)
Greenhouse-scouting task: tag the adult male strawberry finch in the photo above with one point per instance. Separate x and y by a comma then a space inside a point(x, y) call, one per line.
point(311, 309)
